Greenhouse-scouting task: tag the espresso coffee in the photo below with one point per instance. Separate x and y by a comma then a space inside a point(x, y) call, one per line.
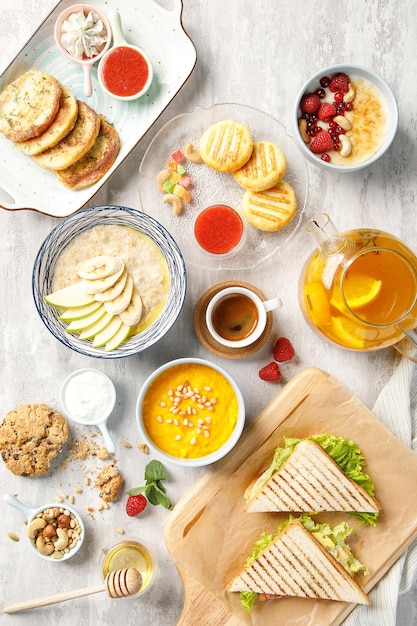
point(235, 317)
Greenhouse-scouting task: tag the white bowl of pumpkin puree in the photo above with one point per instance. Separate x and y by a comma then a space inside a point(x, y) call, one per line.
point(190, 412)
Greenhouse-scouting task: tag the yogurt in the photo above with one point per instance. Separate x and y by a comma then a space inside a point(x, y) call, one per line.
point(89, 396)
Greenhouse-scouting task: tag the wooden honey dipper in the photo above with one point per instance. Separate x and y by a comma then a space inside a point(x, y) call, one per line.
point(118, 584)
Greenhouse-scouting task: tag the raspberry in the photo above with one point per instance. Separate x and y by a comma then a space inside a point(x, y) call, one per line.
point(310, 103)
point(322, 142)
point(135, 505)
point(283, 350)
point(326, 112)
point(339, 82)
point(270, 372)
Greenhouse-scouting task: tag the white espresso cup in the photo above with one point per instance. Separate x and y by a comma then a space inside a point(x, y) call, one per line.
point(236, 316)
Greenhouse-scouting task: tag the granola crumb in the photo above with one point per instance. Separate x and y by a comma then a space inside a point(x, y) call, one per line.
point(143, 447)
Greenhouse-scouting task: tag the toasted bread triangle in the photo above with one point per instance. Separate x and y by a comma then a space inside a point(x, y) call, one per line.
point(296, 564)
point(309, 480)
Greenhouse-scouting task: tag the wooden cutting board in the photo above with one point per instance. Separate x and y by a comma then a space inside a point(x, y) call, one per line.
point(312, 402)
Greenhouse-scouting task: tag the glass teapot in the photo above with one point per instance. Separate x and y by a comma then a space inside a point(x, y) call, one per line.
point(359, 288)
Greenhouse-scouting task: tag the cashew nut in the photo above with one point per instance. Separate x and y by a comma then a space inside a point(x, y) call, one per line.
point(161, 178)
point(176, 202)
point(346, 145)
point(35, 525)
point(192, 155)
point(343, 122)
point(350, 94)
point(51, 514)
point(43, 547)
point(302, 127)
point(62, 540)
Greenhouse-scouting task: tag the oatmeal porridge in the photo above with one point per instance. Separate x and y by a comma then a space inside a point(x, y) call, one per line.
point(142, 257)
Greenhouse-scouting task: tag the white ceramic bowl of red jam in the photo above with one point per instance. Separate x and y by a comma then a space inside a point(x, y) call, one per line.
point(219, 230)
point(365, 105)
point(125, 71)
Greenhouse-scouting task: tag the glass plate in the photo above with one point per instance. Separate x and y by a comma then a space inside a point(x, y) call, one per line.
point(211, 187)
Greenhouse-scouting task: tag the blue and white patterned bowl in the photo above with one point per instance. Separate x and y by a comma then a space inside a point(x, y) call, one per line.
point(81, 221)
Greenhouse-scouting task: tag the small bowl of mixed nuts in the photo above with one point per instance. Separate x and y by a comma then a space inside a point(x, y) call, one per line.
point(345, 118)
point(55, 532)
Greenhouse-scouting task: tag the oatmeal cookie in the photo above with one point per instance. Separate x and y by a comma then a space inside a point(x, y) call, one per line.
point(31, 436)
point(109, 482)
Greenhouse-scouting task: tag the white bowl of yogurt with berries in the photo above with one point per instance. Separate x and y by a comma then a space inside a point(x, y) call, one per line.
point(345, 118)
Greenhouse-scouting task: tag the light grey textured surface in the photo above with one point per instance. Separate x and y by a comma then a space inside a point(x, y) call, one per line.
point(253, 53)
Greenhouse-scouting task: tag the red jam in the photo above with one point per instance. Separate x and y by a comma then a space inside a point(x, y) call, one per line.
point(218, 229)
point(125, 71)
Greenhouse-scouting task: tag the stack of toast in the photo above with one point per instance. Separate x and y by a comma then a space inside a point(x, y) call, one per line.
point(44, 120)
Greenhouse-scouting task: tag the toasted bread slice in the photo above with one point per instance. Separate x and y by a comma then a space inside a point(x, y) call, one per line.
point(296, 564)
point(60, 127)
point(272, 209)
point(29, 105)
point(93, 165)
point(264, 169)
point(74, 145)
point(309, 480)
point(226, 146)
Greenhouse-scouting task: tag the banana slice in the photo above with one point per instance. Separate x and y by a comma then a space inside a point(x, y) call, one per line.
point(131, 316)
point(115, 290)
point(120, 304)
point(101, 284)
point(99, 267)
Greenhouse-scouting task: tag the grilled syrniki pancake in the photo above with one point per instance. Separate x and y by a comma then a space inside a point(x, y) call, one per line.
point(74, 145)
point(93, 165)
point(226, 146)
point(272, 209)
point(60, 127)
point(29, 105)
point(264, 169)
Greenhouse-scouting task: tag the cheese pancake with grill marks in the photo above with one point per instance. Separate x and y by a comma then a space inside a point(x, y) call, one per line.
point(226, 146)
point(264, 169)
point(93, 165)
point(60, 127)
point(74, 145)
point(29, 105)
point(272, 209)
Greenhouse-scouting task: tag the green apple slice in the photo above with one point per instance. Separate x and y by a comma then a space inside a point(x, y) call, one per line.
point(100, 325)
point(72, 296)
point(80, 311)
point(105, 335)
point(117, 339)
point(83, 323)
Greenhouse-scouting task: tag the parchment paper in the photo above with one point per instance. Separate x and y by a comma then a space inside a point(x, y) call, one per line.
point(219, 536)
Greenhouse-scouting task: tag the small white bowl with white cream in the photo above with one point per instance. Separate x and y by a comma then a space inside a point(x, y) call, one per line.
point(88, 397)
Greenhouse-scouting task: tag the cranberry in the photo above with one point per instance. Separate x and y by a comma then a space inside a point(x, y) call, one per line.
point(338, 96)
point(320, 93)
point(340, 108)
point(325, 81)
point(325, 157)
point(340, 130)
point(337, 145)
point(348, 106)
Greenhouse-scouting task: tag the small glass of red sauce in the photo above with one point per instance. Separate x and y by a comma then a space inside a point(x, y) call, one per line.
point(219, 230)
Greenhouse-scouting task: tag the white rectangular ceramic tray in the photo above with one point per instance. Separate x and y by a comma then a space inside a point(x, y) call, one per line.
point(156, 28)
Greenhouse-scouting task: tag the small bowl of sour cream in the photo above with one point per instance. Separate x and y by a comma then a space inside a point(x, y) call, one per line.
point(88, 397)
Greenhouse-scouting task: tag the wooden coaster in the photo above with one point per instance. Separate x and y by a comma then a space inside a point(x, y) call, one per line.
point(209, 342)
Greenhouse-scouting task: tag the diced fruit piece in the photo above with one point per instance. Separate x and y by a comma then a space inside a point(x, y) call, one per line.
point(317, 304)
point(169, 185)
point(99, 267)
point(118, 338)
point(326, 112)
point(90, 332)
point(80, 311)
point(182, 193)
point(310, 103)
point(107, 333)
point(270, 372)
point(283, 350)
point(72, 296)
point(172, 165)
point(322, 142)
point(135, 505)
point(101, 284)
point(77, 326)
point(181, 170)
point(177, 156)
point(339, 82)
point(185, 181)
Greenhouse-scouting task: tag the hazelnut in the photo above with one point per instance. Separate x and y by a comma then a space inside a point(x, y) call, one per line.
point(49, 531)
point(63, 520)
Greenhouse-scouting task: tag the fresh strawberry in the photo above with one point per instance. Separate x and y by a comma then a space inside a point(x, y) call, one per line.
point(135, 505)
point(339, 82)
point(283, 350)
point(322, 142)
point(270, 372)
point(310, 103)
point(326, 112)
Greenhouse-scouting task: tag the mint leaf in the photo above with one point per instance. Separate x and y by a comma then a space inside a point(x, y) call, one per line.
point(155, 471)
point(163, 499)
point(154, 490)
point(136, 491)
